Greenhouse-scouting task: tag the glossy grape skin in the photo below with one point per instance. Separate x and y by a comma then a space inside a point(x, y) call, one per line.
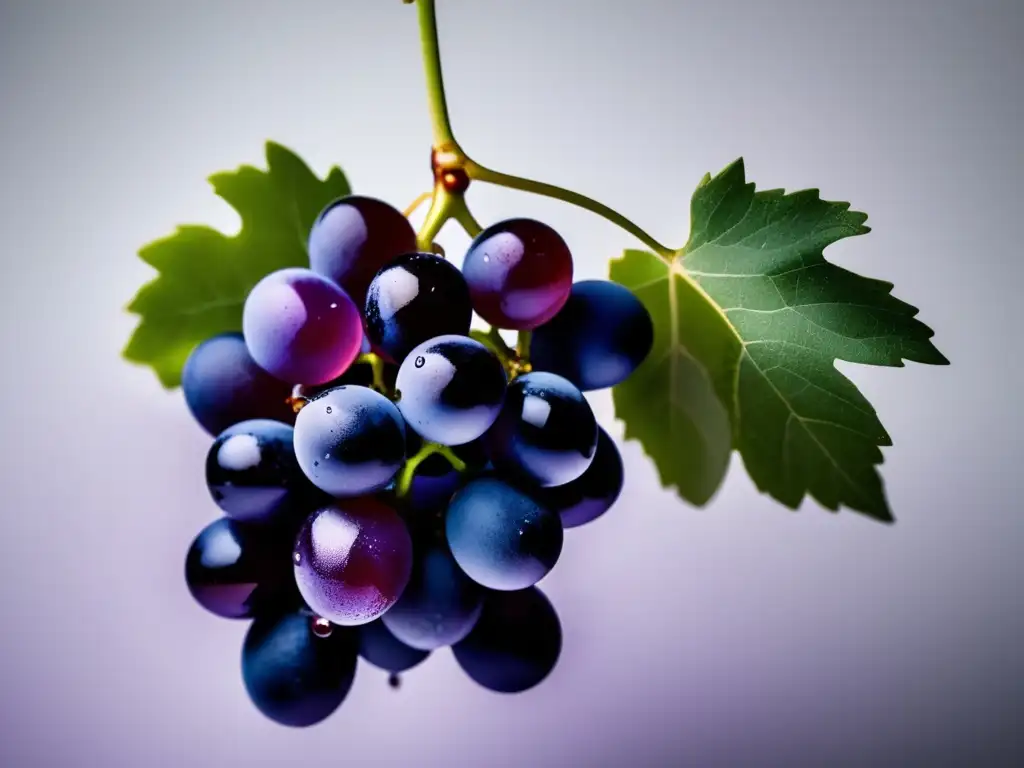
point(601, 335)
point(301, 327)
point(440, 604)
point(293, 676)
point(515, 643)
point(450, 389)
point(352, 560)
point(382, 649)
point(237, 571)
point(350, 441)
point(500, 536)
point(415, 298)
point(546, 433)
point(223, 385)
point(353, 237)
point(252, 473)
point(519, 273)
point(591, 494)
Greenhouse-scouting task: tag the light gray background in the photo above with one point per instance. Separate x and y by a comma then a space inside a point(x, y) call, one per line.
point(742, 634)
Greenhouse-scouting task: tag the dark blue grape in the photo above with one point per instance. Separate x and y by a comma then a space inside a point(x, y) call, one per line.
point(519, 273)
point(252, 473)
point(597, 339)
point(350, 441)
point(451, 389)
point(546, 433)
point(500, 536)
point(382, 649)
point(515, 644)
point(591, 494)
point(353, 237)
point(223, 385)
point(415, 298)
point(301, 327)
point(238, 571)
point(439, 606)
point(293, 674)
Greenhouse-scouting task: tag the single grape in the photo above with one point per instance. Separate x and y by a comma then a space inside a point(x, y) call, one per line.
point(238, 571)
point(352, 560)
point(519, 273)
point(546, 433)
point(439, 606)
point(598, 339)
point(252, 473)
point(293, 676)
point(500, 536)
point(591, 494)
point(353, 237)
point(413, 299)
point(382, 649)
point(450, 389)
point(301, 327)
point(515, 643)
point(350, 441)
point(223, 385)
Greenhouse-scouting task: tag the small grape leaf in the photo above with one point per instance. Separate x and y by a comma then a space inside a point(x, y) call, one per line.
point(205, 275)
point(749, 320)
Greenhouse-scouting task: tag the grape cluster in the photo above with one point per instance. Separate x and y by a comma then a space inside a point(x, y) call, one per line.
point(392, 483)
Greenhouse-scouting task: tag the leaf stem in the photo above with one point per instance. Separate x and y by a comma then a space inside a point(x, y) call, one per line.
point(376, 364)
point(408, 471)
point(480, 173)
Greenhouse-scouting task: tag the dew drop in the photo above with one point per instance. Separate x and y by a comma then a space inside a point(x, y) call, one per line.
point(297, 558)
point(329, 409)
point(322, 627)
point(420, 361)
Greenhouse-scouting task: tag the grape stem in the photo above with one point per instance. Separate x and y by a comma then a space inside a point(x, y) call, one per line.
point(448, 155)
point(417, 203)
point(408, 471)
point(376, 364)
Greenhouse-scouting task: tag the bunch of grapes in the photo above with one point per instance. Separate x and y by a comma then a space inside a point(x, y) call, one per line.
point(391, 482)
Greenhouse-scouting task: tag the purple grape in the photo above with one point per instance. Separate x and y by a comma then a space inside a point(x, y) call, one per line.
point(591, 494)
point(352, 560)
point(350, 441)
point(223, 385)
point(413, 299)
point(238, 571)
point(546, 433)
point(382, 649)
point(450, 389)
point(439, 606)
point(500, 536)
point(252, 473)
point(353, 237)
point(301, 327)
point(598, 339)
point(293, 675)
point(515, 643)
point(519, 273)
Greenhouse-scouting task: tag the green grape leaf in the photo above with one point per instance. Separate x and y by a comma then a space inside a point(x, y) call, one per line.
point(749, 321)
point(205, 275)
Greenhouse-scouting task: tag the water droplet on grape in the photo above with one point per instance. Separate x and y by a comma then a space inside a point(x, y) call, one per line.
point(322, 627)
point(329, 409)
point(420, 361)
point(394, 680)
point(297, 558)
